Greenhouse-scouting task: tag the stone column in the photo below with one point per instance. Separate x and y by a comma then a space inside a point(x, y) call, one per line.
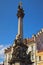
point(20, 15)
point(20, 27)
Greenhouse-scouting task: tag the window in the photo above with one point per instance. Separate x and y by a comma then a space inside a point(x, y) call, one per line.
point(32, 57)
point(32, 48)
point(39, 58)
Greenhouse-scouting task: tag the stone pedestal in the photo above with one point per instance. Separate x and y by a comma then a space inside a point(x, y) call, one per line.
point(17, 63)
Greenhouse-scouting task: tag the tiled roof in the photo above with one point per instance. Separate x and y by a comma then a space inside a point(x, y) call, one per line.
point(28, 40)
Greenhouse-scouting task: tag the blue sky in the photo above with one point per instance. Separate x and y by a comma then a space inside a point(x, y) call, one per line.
point(32, 22)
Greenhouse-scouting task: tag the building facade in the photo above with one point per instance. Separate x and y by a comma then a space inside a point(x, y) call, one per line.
point(32, 48)
point(40, 58)
point(39, 47)
point(8, 55)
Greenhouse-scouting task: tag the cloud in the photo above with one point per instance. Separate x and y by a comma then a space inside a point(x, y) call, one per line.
point(2, 48)
point(1, 62)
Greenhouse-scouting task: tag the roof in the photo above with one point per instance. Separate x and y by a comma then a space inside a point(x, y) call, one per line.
point(29, 40)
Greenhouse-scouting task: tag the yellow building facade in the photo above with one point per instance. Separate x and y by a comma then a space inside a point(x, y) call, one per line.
point(40, 58)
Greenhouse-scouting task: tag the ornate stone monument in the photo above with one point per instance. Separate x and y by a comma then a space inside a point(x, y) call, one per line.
point(19, 55)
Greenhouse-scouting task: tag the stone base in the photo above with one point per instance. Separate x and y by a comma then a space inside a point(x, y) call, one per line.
point(17, 63)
